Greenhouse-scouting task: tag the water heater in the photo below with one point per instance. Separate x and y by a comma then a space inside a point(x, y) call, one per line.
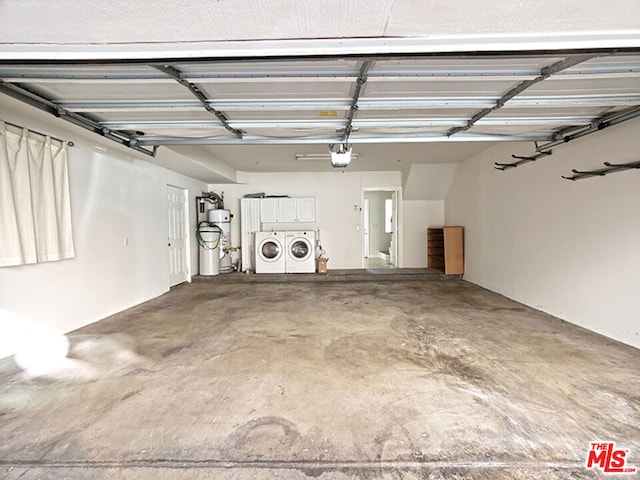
point(222, 218)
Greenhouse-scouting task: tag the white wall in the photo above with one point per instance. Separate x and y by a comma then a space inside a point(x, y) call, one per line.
point(421, 215)
point(428, 181)
point(114, 194)
point(571, 249)
point(339, 198)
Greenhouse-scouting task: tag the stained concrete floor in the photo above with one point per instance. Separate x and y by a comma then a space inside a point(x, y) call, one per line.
point(416, 380)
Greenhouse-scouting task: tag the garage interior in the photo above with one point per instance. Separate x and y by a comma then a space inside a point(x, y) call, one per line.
point(517, 122)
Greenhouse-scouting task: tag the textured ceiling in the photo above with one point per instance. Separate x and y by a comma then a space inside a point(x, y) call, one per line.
point(125, 21)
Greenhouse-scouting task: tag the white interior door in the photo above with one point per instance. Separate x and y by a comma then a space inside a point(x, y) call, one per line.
point(178, 235)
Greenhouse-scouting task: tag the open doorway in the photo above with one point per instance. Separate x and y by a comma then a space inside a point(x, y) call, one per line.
point(380, 228)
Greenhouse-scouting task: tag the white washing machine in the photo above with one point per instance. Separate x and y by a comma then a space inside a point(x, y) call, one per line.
point(300, 252)
point(270, 252)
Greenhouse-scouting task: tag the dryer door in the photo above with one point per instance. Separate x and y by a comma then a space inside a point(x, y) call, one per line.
point(270, 250)
point(300, 249)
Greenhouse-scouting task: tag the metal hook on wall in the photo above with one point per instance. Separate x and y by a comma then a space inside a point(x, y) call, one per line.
point(522, 160)
point(601, 172)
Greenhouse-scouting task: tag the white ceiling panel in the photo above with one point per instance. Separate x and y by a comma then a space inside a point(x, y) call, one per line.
point(422, 88)
point(284, 89)
point(619, 61)
point(291, 115)
point(474, 67)
point(573, 86)
point(109, 91)
point(86, 73)
point(403, 113)
point(149, 116)
point(295, 134)
point(512, 130)
point(396, 129)
point(549, 112)
point(233, 71)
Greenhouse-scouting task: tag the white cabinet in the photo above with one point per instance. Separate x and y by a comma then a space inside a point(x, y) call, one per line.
point(288, 210)
point(306, 209)
point(269, 210)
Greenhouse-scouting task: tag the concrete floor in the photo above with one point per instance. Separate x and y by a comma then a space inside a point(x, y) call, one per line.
point(415, 379)
point(376, 262)
point(333, 275)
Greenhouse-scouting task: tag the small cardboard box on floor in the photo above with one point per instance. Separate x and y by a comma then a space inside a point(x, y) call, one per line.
point(322, 264)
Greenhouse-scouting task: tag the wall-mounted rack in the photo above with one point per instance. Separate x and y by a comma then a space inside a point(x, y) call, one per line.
point(601, 172)
point(571, 133)
point(521, 160)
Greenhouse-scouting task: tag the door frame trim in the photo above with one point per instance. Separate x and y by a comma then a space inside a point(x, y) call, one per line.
point(398, 222)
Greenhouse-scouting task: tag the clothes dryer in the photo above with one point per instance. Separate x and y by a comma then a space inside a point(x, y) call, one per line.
point(270, 252)
point(300, 252)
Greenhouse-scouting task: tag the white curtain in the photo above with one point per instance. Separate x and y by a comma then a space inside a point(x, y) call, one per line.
point(35, 210)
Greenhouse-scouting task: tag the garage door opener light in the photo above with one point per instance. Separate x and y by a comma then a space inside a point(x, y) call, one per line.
point(341, 157)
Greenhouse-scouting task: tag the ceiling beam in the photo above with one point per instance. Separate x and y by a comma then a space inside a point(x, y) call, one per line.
point(79, 120)
point(177, 76)
point(357, 91)
point(332, 139)
point(184, 105)
point(545, 73)
point(355, 125)
point(104, 73)
point(568, 101)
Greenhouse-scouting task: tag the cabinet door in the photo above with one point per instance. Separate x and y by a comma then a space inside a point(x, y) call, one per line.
point(287, 210)
point(306, 209)
point(269, 210)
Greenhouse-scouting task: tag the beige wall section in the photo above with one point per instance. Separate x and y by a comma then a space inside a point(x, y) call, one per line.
point(115, 194)
point(571, 249)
